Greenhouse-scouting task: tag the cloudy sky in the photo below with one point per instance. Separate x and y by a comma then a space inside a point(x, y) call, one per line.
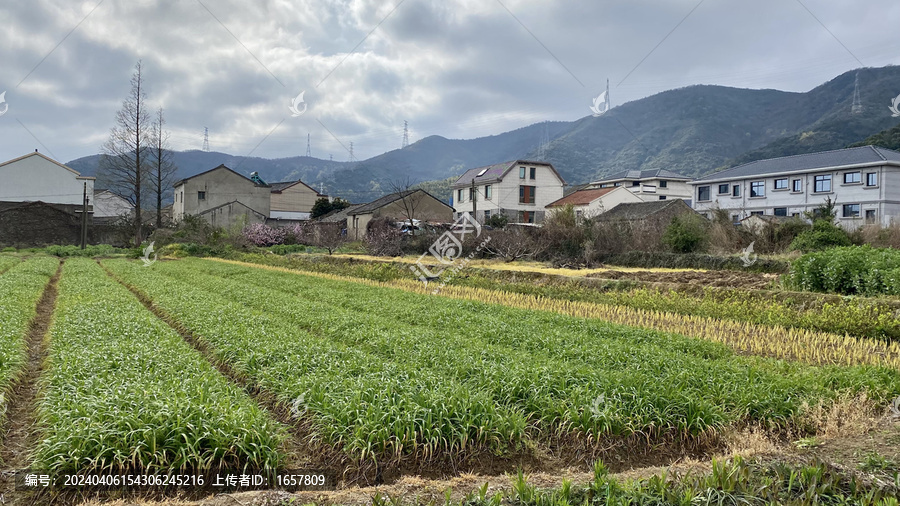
point(456, 68)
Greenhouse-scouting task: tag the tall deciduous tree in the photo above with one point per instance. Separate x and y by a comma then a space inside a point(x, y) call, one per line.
point(123, 163)
point(162, 168)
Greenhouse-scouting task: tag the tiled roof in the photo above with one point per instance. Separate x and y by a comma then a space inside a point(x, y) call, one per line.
point(644, 174)
point(496, 172)
point(639, 210)
point(810, 161)
point(387, 199)
point(222, 166)
point(339, 215)
point(581, 197)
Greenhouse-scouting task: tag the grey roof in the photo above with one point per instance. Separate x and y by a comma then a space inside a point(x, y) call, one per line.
point(644, 174)
point(811, 161)
point(496, 172)
point(640, 210)
point(222, 166)
point(339, 215)
point(387, 199)
point(277, 187)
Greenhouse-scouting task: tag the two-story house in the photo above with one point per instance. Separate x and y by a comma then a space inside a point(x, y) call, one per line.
point(863, 182)
point(519, 189)
point(222, 197)
point(649, 185)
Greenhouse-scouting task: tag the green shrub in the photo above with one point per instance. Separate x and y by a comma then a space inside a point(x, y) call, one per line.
point(823, 234)
point(89, 251)
point(851, 270)
point(686, 233)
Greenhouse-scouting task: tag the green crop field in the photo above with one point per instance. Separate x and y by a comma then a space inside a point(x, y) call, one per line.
point(197, 365)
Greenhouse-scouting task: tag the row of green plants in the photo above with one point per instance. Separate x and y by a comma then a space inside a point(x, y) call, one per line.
point(852, 270)
point(729, 482)
point(857, 317)
point(388, 372)
point(123, 392)
point(7, 261)
point(21, 287)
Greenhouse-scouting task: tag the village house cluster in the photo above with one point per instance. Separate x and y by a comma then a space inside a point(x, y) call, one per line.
point(42, 200)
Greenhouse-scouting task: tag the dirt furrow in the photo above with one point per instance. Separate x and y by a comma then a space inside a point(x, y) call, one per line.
point(19, 434)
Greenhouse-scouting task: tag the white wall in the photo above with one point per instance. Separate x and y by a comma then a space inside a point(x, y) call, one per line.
point(110, 205)
point(505, 194)
point(34, 178)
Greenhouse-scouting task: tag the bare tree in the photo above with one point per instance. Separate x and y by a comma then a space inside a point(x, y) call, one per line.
point(329, 236)
point(410, 198)
point(513, 244)
point(162, 168)
point(123, 164)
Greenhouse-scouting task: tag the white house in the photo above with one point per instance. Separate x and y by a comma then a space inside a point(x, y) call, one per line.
point(109, 205)
point(35, 177)
point(864, 182)
point(590, 202)
point(649, 185)
point(519, 189)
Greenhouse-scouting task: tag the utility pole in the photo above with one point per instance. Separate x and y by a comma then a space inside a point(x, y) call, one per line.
point(84, 211)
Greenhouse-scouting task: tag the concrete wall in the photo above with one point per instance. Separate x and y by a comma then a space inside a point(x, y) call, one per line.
point(221, 186)
point(603, 203)
point(110, 205)
point(232, 213)
point(882, 198)
point(33, 177)
point(505, 194)
point(298, 198)
point(427, 208)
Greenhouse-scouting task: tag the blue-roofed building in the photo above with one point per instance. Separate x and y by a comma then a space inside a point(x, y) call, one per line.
point(518, 189)
point(864, 182)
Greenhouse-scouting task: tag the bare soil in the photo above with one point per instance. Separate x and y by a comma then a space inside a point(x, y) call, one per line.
point(19, 435)
point(721, 278)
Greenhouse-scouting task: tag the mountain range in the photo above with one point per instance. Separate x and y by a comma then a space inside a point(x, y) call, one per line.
point(693, 130)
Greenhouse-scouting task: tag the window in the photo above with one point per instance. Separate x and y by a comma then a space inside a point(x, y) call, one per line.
point(532, 173)
point(703, 193)
point(201, 195)
point(459, 196)
point(487, 214)
point(488, 192)
point(872, 179)
point(795, 215)
point(781, 184)
point(662, 197)
point(473, 194)
point(521, 172)
point(618, 184)
point(635, 183)
point(526, 194)
point(579, 213)
point(823, 184)
point(870, 216)
point(606, 185)
point(723, 189)
point(756, 213)
point(735, 219)
point(757, 189)
point(781, 211)
point(663, 183)
point(852, 177)
point(851, 211)
point(736, 190)
point(526, 217)
point(797, 185)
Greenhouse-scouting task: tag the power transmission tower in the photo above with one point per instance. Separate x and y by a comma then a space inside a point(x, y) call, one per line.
point(351, 151)
point(308, 152)
point(544, 143)
point(330, 158)
point(856, 108)
point(405, 135)
point(205, 139)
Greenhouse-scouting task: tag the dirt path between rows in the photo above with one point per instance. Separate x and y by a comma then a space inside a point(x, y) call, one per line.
point(296, 446)
point(18, 433)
